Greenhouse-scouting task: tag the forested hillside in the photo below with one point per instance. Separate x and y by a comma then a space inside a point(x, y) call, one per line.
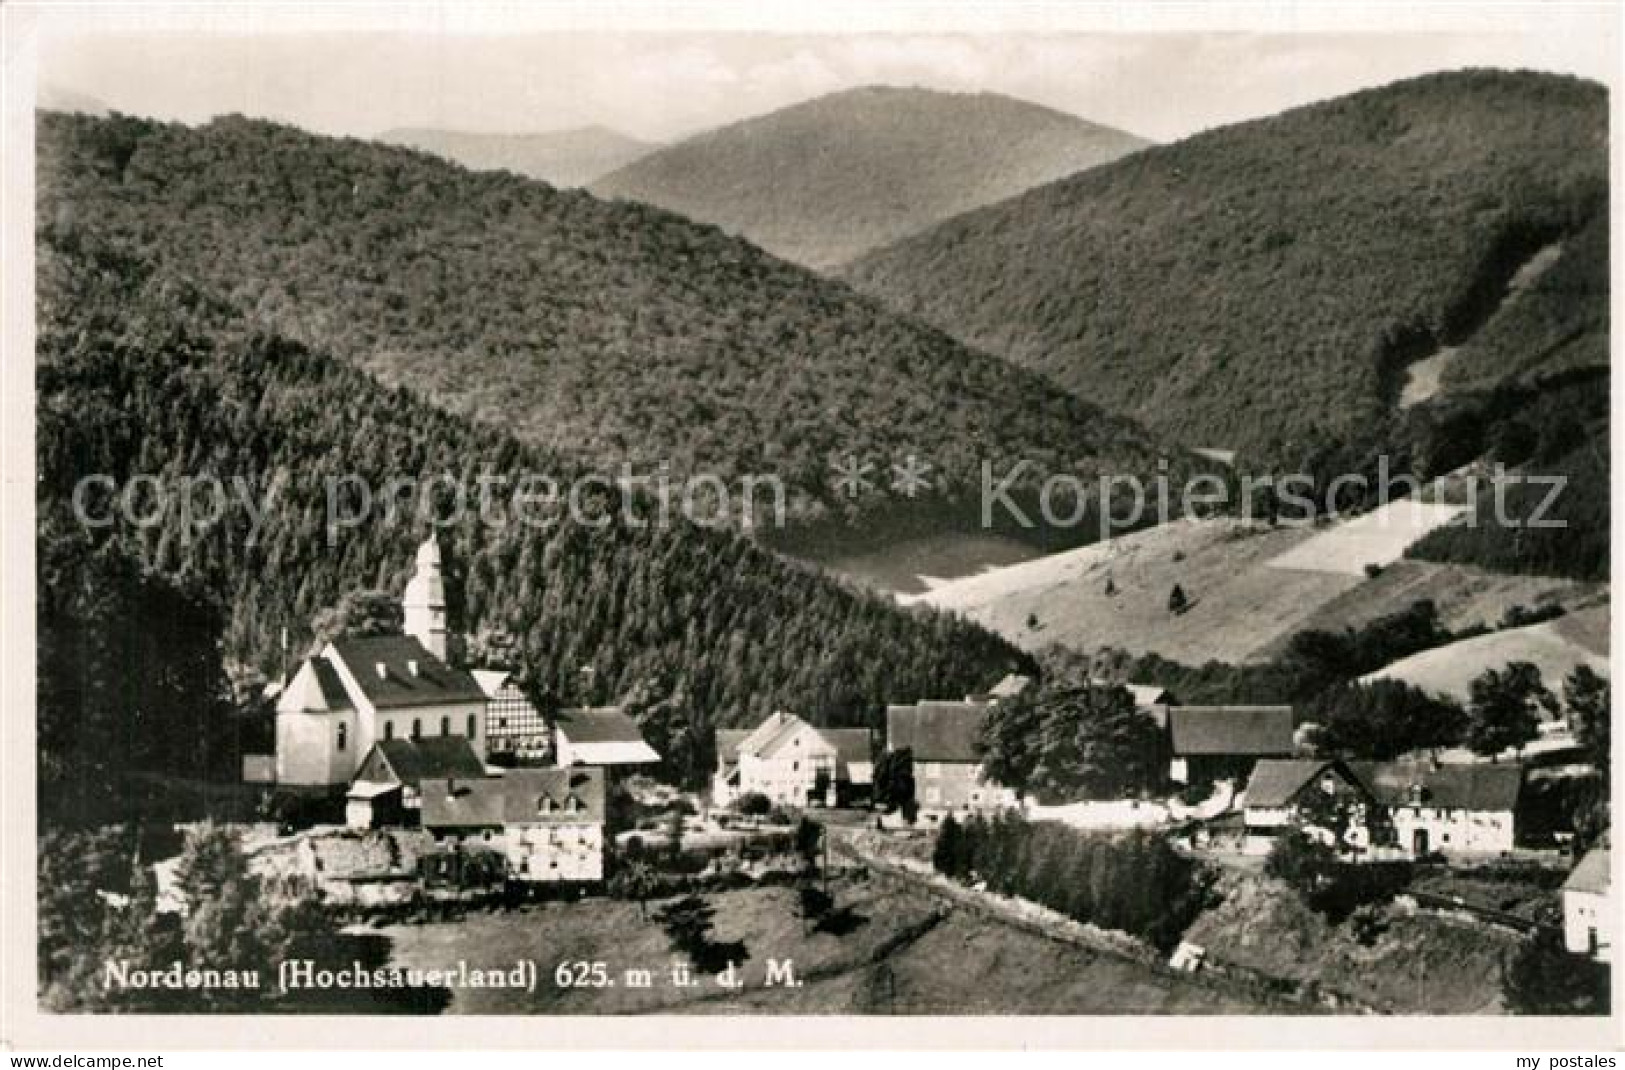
point(605, 333)
point(1262, 286)
point(560, 158)
point(826, 180)
point(141, 372)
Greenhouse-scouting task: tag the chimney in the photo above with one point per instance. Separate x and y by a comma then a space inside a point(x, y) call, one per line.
point(383, 671)
point(412, 666)
point(451, 787)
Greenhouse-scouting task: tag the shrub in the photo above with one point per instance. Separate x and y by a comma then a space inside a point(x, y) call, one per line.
point(753, 804)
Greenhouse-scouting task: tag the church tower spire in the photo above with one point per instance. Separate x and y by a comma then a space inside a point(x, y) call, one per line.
point(424, 604)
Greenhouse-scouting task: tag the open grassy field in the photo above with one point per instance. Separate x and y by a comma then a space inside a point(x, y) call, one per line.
point(1554, 647)
point(1237, 605)
point(904, 953)
point(1378, 538)
point(1244, 605)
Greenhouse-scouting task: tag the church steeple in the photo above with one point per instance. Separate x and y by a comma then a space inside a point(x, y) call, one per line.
point(424, 605)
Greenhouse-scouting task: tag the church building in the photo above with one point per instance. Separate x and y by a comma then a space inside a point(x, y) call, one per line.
point(360, 691)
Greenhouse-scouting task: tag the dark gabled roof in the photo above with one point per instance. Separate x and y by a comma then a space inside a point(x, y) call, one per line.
point(852, 744)
point(327, 678)
point(728, 741)
point(433, 756)
point(599, 724)
point(315, 687)
point(1276, 781)
point(1481, 786)
point(434, 683)
point(937, 731)
point(514, 799)
point(457, 803)
point(1592, 874)
point(1265, 731)
point(523, 788)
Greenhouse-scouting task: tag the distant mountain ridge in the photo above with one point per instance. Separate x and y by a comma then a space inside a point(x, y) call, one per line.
point(1263, 286)
point(607, 333)
point(823, 181)
point(561, 158)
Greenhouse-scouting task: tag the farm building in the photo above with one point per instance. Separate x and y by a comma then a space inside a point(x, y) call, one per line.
point(600, 736)
point(1589, 912)
point(1456, 810)
point(944, 739)
point(1211, 743)
point(1323, 797)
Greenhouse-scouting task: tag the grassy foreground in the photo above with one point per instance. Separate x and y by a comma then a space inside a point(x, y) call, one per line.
point(900, 952)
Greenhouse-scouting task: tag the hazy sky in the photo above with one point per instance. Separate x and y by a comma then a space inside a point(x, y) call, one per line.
point(660, 86)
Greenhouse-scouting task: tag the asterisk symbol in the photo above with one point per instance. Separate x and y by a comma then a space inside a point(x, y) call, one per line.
point(909, 478)
point(851, 475)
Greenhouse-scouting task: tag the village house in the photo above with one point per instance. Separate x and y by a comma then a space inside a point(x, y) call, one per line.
point(1323, 797)
point(1465, 809)
point(602, 737)
point(547, 824)
point(1589, 914)
point(513, 725)
point(944, 740)
point(386, 789)
point(793, 763)
point(358, 691)
point(1211, 743)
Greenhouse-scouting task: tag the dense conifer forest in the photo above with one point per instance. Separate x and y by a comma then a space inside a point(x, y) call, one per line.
point(607, 333)
point(143, 372)
point(1261, 287)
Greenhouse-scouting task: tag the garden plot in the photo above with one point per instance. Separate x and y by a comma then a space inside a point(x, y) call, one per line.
point(1378, 538)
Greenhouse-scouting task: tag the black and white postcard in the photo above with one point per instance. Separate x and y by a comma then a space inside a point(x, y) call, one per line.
point(859, 511)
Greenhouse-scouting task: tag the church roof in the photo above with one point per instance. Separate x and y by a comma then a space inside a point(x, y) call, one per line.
point(315, 688)
point(395, 671)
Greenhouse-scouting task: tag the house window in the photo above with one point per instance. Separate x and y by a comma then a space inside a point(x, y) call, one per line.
point(389, 729)
point(417, 728)
point(445, 726)
point(344, 735)
point(473, 726)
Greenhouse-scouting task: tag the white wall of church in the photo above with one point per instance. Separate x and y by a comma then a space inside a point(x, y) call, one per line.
point(427, 721)
point(317, 749)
